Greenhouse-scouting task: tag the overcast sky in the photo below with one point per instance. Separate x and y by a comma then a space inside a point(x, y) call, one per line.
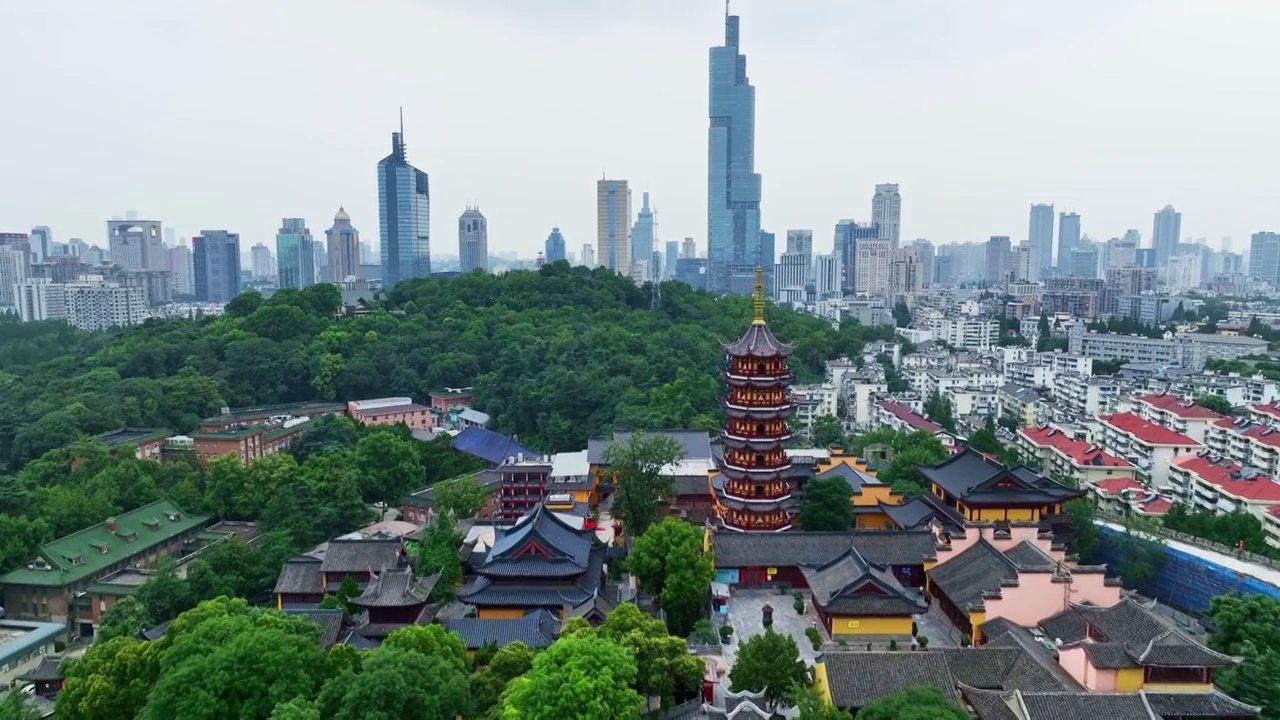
point(236, 113)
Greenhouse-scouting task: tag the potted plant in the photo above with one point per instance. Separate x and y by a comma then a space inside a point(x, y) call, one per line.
point(798, 605)
point(923, 641)
point(726, 633)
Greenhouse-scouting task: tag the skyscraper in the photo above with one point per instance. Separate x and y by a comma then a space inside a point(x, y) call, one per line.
point(643, 233)
point(874, 267)
point(182, 266)
point(688, 249)
point(344, 245)
point(827, 278)
point(800, 242)
point(1040, 239)
point(999, 258)
point(886, 212)
point(295, 254)
point(848, 234)
point(41, 242)
point(673, 254)
point(260, 261)
point(613, 225)
point(216, 256)
point(473, 241)
point(1166, 234)
point(1264, 257)
point(404, 216)
point(589, 255)
point(14, 269)
point(1068, 239)
point(554, 249)
point(136, 244)
point(733, 186)
point(907, 275)
point(924, 249)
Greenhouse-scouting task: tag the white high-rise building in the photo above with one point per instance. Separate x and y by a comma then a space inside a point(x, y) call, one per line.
point(90, 303)
point(1040, 240)
point(827, 276)
point(13, 270)
point(874, 265)
point(908, 272)
point(1183, 272)
point(1166, 234)
point(613, 225)
point(886, 211)
point(261, 262)
point(38, 299)
point(183, 269)
point(589, 255)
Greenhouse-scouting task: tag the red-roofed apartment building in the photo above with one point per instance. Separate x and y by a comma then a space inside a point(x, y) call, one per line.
point(1223, 486)
point(1176, 414)
point(1248, 443)
point(1123, 496)
point(1265, 413)
point(1062, 456)
point(1149, 446)
point(887, 413)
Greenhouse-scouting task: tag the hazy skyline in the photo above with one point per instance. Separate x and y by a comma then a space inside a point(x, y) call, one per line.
point(233, 114)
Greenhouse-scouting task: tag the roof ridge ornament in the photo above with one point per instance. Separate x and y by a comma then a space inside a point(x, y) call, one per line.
point(758, 297)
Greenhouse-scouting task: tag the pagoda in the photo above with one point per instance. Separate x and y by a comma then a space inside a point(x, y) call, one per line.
point(758, 485)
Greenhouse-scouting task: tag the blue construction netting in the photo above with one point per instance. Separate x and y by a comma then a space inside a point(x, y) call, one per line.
point(1185, 581)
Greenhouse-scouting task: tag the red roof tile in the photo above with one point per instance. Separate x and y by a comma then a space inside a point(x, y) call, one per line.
point(1077, 450)
point(1259, 489)
point(1147, 432)
point(1155, 506)
point(1266, 409)
point(1114, 486)
point(1174, 405)
point(1262, 433)
point(910, 417)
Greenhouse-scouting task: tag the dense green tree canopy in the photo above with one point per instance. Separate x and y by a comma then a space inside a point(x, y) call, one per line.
point(581, 676)
point(400, 683)
point(909, 449)
point(663, 662)
point(827, 431)
point(917, 703)
point(1248, 626)
point(769, 663)
point(669, 563)
point(1216, 403)
point(826, 505)
point(640, 485)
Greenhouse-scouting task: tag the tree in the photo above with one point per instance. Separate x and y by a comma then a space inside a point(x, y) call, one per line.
point(296, 709)
point(14, 706)
point(124, 618)
point(985, 440)
point(901, 315)
point(826, 504)
point(640, 486)
point(397, 682)
point(164, 595)
point(916, 703)
point(437, 552)
point(1239, 619)
point(769, 663)
point(431, 640)
point(462, 497)
point(1042, 326)
point(1141, 552)
point(110, 681)
point(810, 705)
point(827, 431)
point(488, 684)
point(329, 434)
point(579, 676)
point(1253, 681)
point(663, 662)
point(938, 409)
point(909, 450)
point(1108, 367)
point(1216, 403)
point(670, 565)
point(389, 463)
point(1088, 537)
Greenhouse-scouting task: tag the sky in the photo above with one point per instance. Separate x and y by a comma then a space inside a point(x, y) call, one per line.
point(233, 114)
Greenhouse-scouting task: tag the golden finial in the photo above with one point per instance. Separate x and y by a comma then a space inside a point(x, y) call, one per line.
point(758, 296)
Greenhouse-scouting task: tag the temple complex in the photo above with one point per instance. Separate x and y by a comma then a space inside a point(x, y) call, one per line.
point(758, 484)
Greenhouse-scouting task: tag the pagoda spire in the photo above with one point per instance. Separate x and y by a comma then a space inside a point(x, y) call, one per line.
point(757, 300)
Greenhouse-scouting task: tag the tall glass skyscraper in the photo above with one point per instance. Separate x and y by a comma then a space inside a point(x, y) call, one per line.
point(733, 186)
point(404, 216)
point(343, 241)
point(1040, 238)
point(1068, 239)
point(642, 235)
point(216, 256)
point(1166, 234)
point(295, 254)
point(554, 247)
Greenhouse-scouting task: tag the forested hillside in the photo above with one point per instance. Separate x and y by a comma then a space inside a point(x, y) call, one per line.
point(555, 356)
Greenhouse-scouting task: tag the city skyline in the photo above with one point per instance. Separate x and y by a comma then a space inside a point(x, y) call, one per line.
point(964, 179)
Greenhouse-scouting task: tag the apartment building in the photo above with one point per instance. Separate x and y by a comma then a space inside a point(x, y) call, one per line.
point(1225, 347)
point(1255, 445)
point(1018, 404)
point(811, 402)
point(1028, 374)
point(887, 413)
point(1062, 456)
point(969, 334)
point(859, 394)
point(1084, 395)
point(1169, 350)
point(1126, 496)
point(1176, 414)
point(1211, 483)
point(1149, 446)
point(973, 401)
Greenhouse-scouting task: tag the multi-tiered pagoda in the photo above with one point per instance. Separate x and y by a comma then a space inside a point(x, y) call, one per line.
point(759, 485)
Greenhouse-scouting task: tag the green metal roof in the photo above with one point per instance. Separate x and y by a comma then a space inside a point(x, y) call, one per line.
point(94, 549)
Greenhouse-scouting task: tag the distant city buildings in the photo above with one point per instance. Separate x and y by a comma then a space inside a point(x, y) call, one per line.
point(643, 234)
point(613, 225)
point(295, 255)
point(1166, 235)
point(345, 249)
point(688, 248)
point(216, 257)
point(1264, 257)
point(182, 267)
point(999, 259)
point(14, 268)
point(848, 234)
point(136, 244)
point(1068, 238)
point(41, 242)
point(473, 241)
point(554, 249)
point(886, 212)
point(673, 256)
point(90, 303)
point(733, 186)
point(874, 264)
point(589, 255)
point(404, 216)
point(1040, 240)
point(261, 262)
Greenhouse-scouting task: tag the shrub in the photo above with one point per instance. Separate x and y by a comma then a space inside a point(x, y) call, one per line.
point(726, 632)
point(799, 606)
point(923, 640)
point(815, 637)
point(966, 640)
point(798, 596)
point(893, 646)
point(843, 643)
point(704, 632)
point(915, 629)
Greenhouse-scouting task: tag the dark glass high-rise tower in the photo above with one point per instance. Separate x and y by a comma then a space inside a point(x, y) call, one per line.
point(733, 186)
point(216, 257)
point(404, 216)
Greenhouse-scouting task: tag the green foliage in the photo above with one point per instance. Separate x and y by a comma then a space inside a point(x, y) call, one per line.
point(663, 662)
point(704, 632)
point(1108, 367)
point(390, 463)
point(1228, 529)
point(826, 504)
point(1248, 626)
point(1216, 403)
point(1088, 537)
point(580, 676)
point(328, 434)
point(901, 315)
point(916, 703)
point(669, 563)
point(437, 552)
point(769, 663)
point(909, 449)
point(488, 683)
point(1047, 343)
point(810, 705)
point(827, 431)
point(639, 483)
point(938, 409)
point(398, 682)
point(110, 681)
point(1141, 552)
point(15, 707)
point(125, 618)
point(461, 497)
point(431, 640)
point(894, 381)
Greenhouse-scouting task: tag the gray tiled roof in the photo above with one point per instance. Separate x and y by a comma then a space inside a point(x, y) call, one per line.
point(396, 587)
point(979, 569)
point(1210, 704)
point(758, 342)
point(1028, 556)
point(1068, 626)
point(1142, 705)
point(836, 584)
point(568, 548)
point(852, 476)
point(299, 576)
point(537, 629)
point(788, 549)
point(47, 671)
point(912, 513)
point(857, 678)
point(696, 444)
point(330, 622)
point(994, 628)
point(483, 591)
point(1108, 656)
point(1146, 639)
point(1005, 668)
point(963, 474)
point(359, 556)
